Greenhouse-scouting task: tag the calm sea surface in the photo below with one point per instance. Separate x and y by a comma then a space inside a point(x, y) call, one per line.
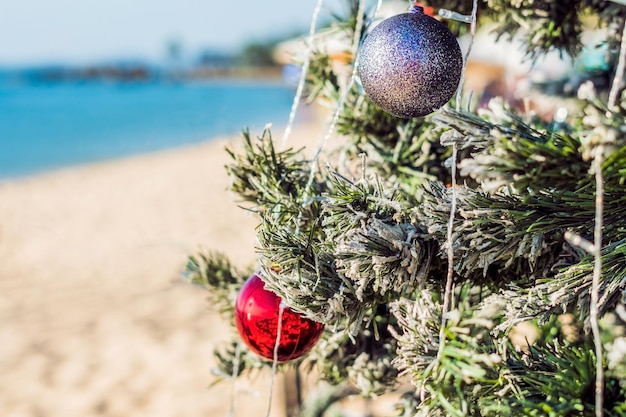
point(47, 126)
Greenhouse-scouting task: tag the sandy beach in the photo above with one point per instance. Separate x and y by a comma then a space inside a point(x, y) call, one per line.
point(95, 318)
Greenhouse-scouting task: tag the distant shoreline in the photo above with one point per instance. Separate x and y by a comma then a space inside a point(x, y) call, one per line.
point(271, 73)
point(139, 73)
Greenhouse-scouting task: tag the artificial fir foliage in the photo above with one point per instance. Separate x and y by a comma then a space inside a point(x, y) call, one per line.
point(358, 238)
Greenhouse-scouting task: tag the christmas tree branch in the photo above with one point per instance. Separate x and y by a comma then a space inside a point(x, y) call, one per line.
point(359, 253)
point(479, 375)
point(569, 290)
point(557, 379)
point(507, 152)
point(214, 272)
point(267, 179)
point(449, 377)
point(362, 360)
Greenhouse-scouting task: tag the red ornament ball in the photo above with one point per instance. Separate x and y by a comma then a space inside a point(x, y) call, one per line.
point(257, 311)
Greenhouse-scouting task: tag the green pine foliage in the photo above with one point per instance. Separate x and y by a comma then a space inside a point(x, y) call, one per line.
point(359, 239)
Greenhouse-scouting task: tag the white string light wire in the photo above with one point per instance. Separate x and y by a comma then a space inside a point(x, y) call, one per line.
point(596, 247)
point(358, 31)
point(233, 376)
point(447, 298)
point(595, 283)
point(619, 72)
point(279, 330)
point(597, 234)
point(303, 74)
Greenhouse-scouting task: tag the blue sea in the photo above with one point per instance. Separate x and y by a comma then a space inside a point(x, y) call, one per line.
point(45, 126)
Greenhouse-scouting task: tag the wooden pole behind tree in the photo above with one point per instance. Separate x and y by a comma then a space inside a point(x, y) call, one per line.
point(293, 391)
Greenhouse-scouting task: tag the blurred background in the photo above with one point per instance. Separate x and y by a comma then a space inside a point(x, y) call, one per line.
point(113, 120)
point(83, 81)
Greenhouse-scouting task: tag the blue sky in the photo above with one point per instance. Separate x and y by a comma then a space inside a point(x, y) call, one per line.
point(55, 31)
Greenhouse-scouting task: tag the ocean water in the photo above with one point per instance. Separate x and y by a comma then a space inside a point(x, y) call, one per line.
point(48, 126)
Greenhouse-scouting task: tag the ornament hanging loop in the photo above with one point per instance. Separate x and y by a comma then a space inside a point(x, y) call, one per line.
point(451, 15)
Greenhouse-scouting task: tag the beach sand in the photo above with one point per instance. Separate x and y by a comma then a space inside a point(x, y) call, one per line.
point(95, 317)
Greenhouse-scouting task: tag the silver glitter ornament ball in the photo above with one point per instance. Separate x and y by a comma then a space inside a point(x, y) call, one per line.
point(410, 64)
